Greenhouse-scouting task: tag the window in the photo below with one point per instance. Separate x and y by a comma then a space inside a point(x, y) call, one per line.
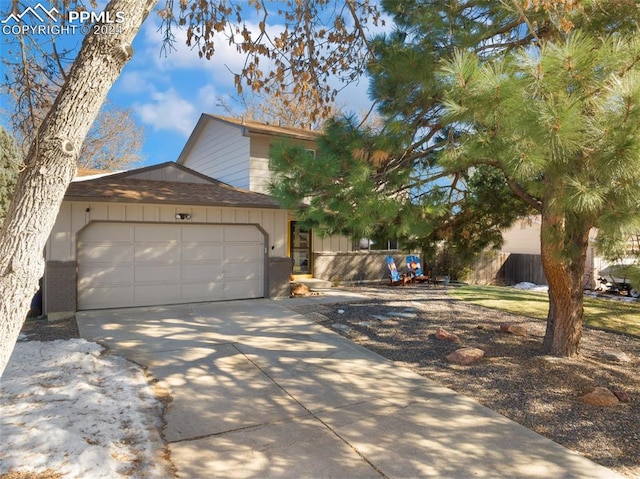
point(365, 244)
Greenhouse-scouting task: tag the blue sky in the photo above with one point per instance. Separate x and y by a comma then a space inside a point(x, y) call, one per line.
point(168, 94)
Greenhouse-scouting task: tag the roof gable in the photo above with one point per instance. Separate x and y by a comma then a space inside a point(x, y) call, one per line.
point(169, 172)
point(166, 183)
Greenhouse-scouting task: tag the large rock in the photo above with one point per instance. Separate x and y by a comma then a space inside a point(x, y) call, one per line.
point(599, 396)
point(465, 355)
point(444, 335)
point(513, 329)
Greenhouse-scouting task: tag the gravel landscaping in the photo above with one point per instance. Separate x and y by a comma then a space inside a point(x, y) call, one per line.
point(513, 378)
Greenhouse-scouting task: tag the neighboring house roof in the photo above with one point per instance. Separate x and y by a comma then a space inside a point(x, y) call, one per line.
point(192, 188)
point(84, 174)
point(248, 128)
point(84, 171)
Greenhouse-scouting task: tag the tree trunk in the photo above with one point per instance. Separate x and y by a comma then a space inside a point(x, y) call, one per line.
point(564, 243)
point(51, 165)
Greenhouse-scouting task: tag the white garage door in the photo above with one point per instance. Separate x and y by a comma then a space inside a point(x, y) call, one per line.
point(132, 264)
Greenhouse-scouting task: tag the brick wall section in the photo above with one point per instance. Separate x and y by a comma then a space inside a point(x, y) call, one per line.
point(60, 287)
point(280, 270)
point(355, 266)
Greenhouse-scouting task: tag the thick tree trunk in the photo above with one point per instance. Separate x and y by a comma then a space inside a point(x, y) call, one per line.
point(564, 244)
point(51, 165)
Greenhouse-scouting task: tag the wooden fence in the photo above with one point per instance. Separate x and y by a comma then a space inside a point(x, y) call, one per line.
point(506, 269)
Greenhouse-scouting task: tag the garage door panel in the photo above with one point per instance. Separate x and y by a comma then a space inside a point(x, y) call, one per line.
point(116, 232)
point(242, 274)
point(240, 252)
point(157, 253)
point(108, 253)
point(106, 297)
point(213, 291)
point(104, 274)
point(202, 252)
point(150, 294)
point(157, 273)
point(243, 289)
point(156, 234)
point(202, 272)
point(168, 263)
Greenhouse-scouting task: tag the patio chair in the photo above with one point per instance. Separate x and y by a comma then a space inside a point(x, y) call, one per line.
point(395, 278)
point(415, 270)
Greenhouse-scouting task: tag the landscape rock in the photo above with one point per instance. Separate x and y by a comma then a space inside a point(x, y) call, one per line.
point(299, 289)
point(622, 396)
point(599, 396)
point(341, 327)
point(616, 356)
point(513, 329)
point(465, 355)
point(444, 335)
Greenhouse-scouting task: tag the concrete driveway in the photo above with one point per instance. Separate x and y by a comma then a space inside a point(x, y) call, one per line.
point(260, 391)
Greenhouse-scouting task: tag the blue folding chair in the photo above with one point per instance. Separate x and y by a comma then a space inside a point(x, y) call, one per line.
point(415, 270)
point(395, 277)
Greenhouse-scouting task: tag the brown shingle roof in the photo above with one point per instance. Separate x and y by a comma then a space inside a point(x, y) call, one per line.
point(128, 190)
point(266, 129)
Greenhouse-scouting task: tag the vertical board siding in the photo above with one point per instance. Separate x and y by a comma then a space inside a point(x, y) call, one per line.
point(221, 152)
point(74, 216)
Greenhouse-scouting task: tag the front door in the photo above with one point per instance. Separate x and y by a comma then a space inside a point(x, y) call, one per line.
point(300, 248)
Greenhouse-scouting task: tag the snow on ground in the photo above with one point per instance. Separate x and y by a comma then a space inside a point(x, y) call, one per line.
point(531, 286)
point(66, 407)
point(594, 294)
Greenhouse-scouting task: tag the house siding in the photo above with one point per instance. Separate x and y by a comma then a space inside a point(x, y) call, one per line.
point(355, 267)
point(522, 238)
point(331, 243)
point(259, 172)
point(73, 216)
point(170, 173)
point(221, 152)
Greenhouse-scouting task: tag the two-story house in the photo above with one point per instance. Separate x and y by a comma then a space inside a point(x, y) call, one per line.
point(201, 229)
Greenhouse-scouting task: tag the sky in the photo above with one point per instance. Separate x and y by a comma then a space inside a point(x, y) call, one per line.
point(167, 94)
point(78, 412)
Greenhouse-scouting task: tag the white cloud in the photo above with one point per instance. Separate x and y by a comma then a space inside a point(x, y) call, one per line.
point(207, 97)
point(168, 111)
point(134, 82)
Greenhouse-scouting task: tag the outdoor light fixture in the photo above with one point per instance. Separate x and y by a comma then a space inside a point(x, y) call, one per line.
point(183, 216)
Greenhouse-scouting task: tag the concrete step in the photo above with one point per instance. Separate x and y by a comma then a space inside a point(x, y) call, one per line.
point(314, 284)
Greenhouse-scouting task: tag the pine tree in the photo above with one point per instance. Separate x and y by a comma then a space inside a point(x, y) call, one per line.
point(543, 94)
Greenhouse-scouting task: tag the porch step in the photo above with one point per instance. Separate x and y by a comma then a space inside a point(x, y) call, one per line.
point(314, 284)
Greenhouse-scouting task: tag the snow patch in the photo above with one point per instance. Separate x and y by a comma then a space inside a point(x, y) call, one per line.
point(65, 406)
point(531, 286)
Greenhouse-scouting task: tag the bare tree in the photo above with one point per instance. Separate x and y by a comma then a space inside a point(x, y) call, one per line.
point(279, 109)
point(114, 141)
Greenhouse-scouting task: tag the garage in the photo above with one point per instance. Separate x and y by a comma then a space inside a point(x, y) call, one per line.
point(142, 264)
